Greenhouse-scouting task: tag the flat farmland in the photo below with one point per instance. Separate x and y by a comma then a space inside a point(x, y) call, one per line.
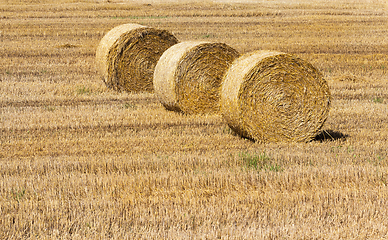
point(81, 161)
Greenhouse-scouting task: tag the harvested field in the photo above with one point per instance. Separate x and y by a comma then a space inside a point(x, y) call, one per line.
point(81, 161)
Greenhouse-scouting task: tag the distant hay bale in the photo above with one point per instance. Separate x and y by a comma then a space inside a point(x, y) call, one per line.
point(188, 76)
point(127, 55)
point(272, 96)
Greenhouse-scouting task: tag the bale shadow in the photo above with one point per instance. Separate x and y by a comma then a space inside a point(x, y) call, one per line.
point(330, 135)
point(323, 136)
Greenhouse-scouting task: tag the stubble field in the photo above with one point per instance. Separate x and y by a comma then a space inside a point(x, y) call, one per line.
point(80, 161)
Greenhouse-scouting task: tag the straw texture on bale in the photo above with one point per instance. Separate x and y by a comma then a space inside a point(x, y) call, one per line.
point(271, 96)
point(127, 55)
point(188, 76)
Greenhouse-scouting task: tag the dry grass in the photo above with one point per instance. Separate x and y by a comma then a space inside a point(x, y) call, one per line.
point(80, 161)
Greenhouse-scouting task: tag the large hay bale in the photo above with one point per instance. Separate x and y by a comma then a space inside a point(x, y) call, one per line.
point(188, 76)
point(273, 96)
point(127, 55)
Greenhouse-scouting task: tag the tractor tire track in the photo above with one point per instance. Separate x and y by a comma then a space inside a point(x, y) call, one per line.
point(76, 102)
point(108, 128)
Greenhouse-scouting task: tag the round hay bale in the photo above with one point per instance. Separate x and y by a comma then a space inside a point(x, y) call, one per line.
point(272, 96)
point(188, 76)
point(127, 55)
